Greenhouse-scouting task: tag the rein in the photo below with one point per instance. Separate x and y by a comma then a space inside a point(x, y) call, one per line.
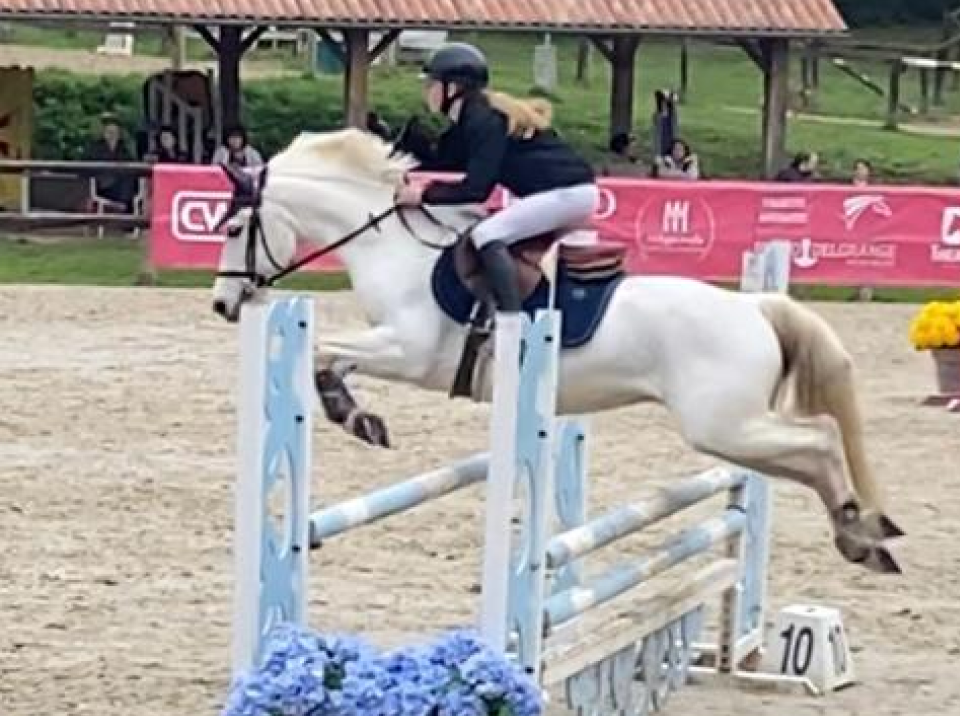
point(256, 235)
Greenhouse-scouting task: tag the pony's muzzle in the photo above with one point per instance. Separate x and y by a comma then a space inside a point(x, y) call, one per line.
point(229, 309)
point(222, 309)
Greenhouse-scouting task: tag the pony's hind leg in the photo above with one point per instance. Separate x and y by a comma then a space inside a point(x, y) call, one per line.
point(808, 451)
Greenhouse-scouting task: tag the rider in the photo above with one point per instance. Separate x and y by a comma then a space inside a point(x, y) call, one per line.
point(499, 139)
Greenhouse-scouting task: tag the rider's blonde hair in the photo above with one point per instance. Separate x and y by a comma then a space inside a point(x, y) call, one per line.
point(525, 116)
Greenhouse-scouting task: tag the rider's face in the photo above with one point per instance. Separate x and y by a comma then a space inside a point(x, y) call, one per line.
point(433, 95)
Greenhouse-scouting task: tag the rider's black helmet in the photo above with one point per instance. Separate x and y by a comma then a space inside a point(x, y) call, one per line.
point(461, 63)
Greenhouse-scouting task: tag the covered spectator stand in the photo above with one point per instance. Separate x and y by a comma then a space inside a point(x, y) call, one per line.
point(764, 29)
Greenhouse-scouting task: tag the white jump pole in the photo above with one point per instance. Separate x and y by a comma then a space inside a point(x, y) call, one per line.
point(276, 400)
point(501, 478)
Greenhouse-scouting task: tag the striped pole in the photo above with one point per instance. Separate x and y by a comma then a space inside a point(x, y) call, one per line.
point(396, 498)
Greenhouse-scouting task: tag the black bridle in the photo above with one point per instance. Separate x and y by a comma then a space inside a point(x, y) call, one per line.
point(246, 195)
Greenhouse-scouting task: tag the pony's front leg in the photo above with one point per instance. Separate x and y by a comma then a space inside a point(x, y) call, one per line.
point(373, 352)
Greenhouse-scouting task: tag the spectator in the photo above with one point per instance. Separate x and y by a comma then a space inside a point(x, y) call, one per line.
point(680, 163)
point(116, 187)
point(801, 169)
point(167, 149)
point(665, 123)
point(862, 172)
point(625, 160)
point(237, 150)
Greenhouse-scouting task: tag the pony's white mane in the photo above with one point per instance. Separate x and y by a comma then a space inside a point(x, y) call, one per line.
point(350, 151)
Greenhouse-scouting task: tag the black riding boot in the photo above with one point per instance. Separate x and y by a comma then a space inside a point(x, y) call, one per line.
point(504, 282)
point(502, 276)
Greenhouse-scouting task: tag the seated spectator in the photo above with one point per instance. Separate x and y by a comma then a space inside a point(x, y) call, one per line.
point(117, 188)
point(680, 163)
point(167, 148)
point(237, 150)
point(862, 172)
point(625, 161)
point(801, 169)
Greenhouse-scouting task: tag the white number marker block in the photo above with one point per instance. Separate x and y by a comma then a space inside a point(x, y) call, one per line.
point(810, 642)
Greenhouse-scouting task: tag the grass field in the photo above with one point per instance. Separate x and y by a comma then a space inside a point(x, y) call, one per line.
point(119, 262)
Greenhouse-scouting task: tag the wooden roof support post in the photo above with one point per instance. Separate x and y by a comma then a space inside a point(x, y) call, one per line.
point(230, 48)
point(776, 99)
point(356, 55)
point(229, 54)
point(621, 52)
point(893, 96)
point(356, 80)
point(772, 56)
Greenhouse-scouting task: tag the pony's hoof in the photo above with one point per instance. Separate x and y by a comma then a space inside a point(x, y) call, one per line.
point(882, 561)
point(881, 527)
point(874, 557)
point(369, 428)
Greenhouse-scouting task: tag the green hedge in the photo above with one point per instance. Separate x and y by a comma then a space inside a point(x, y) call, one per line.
point(68, 108)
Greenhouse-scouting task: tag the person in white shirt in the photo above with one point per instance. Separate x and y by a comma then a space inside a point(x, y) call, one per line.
point(237, 151)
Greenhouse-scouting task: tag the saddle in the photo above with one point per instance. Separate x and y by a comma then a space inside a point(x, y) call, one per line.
point(583, 262)
point(579, 262)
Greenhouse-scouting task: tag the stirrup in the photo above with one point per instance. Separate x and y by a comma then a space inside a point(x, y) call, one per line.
point(480, 329)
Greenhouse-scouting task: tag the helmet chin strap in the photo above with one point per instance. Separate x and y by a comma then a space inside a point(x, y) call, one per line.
point(449, 98)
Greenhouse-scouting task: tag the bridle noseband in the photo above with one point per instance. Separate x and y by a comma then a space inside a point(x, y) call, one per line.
point(248, 196)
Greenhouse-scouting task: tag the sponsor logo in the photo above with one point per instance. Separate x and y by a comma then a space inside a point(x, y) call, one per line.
point(606, 204)
point(947, 250)
point(854, 207)
point(950, 226)
point(783, 210)
point(676, 226)
point(808, 253)
point(195, 215)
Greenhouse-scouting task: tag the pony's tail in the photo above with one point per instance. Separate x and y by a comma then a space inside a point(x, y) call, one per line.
point(823, 381)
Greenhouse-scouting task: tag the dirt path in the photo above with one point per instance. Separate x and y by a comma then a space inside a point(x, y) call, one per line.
point(117, 459)
point(942, 130)
point(92, 63)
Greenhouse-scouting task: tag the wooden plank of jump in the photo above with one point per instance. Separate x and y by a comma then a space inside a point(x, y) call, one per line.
point(586, 644)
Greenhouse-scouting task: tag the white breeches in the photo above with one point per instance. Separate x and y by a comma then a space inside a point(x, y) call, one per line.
point(565, 208)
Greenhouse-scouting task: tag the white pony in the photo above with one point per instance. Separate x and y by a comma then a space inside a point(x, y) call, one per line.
point(758, 380)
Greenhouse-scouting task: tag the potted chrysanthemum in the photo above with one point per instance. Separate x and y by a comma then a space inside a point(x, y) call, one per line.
point(303, 673)
point(936, 328)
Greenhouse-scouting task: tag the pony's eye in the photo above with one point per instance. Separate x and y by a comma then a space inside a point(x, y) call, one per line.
point(234, 231)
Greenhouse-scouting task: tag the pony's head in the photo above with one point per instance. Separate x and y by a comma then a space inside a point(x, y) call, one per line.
point(314, 189)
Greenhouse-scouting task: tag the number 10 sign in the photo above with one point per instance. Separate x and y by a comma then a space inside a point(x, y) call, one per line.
point(809, 642)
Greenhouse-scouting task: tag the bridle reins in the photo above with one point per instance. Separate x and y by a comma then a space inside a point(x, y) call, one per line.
point(256, 235)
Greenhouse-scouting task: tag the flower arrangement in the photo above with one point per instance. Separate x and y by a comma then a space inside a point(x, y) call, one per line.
point(936, 326)
point(308, 674)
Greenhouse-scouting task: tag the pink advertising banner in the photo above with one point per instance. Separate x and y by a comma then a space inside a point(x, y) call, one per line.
point(848, 235)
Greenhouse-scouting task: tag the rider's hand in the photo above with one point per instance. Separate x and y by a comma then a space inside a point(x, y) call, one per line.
point(410, 195)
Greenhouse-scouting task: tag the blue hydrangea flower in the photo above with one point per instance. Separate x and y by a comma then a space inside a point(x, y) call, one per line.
point(307, 674)
point(300, 675)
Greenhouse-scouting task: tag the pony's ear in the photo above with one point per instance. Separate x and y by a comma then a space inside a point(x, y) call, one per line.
point(243, 188)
